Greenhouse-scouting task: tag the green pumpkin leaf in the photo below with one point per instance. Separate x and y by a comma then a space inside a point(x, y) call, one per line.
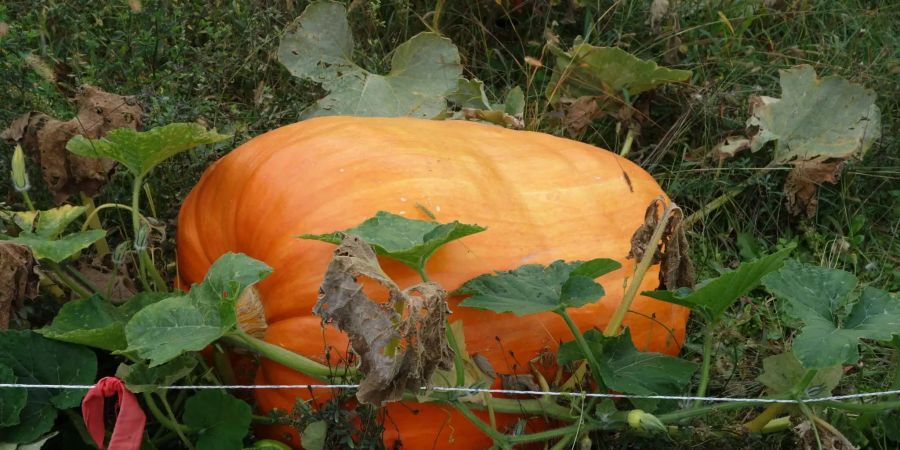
point(714, 297)
point(535, 288)
point(139, 377)
point(816, 118)
point(314, 434)
point(141, 151)
point(95, 322)
point(832, 323)
point(625, 369)
point(589, 71)
point(175, 325)
point(469, 94)
point(318, 47)
point(12, 401)
point(514, 104)
point(37, 360)
point(57, 250)
point(409, 241)
point(783, 371)
point(220, 420)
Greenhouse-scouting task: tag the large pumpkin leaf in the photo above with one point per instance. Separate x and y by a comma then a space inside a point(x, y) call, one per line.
point(318, 47)
point(832, 323)
point(409, 241)
point(817, 125)
point(625, 369)
point(221, 420)
point(162, 331)
point(11, 400)
point(36, 360)
point(715, 296)
point(535, 288)
point(816, 118)
point(589, 71)
point(782, 372)
point(95, 322)
point(141, 151)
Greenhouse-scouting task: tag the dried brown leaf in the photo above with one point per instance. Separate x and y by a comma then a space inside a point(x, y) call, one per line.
point(524, 382)
point(4, 29)
point(802, 183)
point(729, 147)
point(45, 138)
point(397, 353)
point(676, 270)
point(250, 313)
point(580, 113)
point(672, 251)
point(640, 240)
point(115, 286)
point(18, 280)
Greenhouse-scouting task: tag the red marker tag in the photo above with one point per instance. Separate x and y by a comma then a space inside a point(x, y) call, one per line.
point(130, 419)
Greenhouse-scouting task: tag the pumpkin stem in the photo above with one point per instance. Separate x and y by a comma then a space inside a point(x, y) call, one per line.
point(612, 328)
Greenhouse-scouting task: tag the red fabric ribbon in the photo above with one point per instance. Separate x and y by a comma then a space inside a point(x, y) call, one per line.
point(130, 419)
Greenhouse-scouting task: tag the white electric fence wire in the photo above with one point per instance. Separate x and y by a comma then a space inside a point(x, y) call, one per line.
point(466, 390)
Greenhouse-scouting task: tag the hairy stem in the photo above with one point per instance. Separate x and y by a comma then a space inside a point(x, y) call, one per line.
point(500, 440)
point(93, 222)
point(28, 202)
point(290, 359)
point(585, 348)
point(612, 328)
point(707, 359)
point(727, 196)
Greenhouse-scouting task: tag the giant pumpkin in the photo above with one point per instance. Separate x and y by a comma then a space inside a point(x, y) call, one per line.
point(541, 197)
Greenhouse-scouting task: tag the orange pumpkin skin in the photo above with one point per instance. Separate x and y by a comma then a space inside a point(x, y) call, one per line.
point(541, 197)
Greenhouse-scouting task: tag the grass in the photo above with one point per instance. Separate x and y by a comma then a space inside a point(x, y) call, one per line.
point(189, 61)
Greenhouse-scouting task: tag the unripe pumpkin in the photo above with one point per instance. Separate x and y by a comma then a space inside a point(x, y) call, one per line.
point(541, 197)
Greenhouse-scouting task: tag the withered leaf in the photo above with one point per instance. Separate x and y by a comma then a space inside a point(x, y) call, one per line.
point(729, 147)
point(640, 240)
point(802, 183)
point(676, 270)
point(45, 138)
point(114, 286)
point(397, 353)
point(580, 113)
point(17, 278)
point(522, 382)
point(672, 251)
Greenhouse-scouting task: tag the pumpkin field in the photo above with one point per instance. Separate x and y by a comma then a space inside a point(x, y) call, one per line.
point(449, 224)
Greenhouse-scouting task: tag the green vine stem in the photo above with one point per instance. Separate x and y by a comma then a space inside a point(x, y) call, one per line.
point(759, 422)
point(290, 359)
point(179, 429)
point(612, 328)
point(94, 214)
point(164, 420)
point(629, 140)
point(500, 440)
point(728, 196)
point(585, 348)
point(28, 202)
point(707, 360)
point(145, 264)
point(66, 280)
point(93, 222)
